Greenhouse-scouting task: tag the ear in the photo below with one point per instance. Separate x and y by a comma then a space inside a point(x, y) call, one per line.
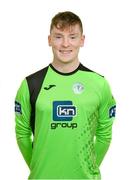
point(82, 41)
point(49, 40)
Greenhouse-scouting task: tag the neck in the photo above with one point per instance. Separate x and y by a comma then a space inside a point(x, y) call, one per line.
point(65, 67)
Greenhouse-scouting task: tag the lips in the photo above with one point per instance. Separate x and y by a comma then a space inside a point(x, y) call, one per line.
point(65, 51)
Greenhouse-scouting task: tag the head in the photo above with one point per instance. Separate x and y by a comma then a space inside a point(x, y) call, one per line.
point(66, 36)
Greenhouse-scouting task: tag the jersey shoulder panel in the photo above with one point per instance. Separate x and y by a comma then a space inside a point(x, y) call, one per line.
point(92, 76)
point(98, 81)
point(35, 82)
point(37, 75)
point(83, 68)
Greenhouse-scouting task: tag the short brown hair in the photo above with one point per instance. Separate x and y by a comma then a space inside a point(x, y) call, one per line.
point(65, 19)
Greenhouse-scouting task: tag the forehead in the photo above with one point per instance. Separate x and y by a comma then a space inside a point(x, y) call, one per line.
point(72, 29)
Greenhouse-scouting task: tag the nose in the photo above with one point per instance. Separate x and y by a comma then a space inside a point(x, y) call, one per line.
point(65, 42)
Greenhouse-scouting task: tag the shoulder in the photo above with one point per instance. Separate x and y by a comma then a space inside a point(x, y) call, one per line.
point(36, 75)
point(91, 74)
point(35, 80)
point(97, 80)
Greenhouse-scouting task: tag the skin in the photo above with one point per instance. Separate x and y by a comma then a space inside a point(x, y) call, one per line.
point(65, 45)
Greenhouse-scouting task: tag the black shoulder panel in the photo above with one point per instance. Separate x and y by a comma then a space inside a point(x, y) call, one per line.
point(83, 68)
point(34, 83)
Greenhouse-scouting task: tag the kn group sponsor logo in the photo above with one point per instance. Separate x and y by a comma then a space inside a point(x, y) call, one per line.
point(63, 113)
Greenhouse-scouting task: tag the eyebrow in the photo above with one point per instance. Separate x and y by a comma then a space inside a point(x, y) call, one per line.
point(73, 34)
point(60, 34)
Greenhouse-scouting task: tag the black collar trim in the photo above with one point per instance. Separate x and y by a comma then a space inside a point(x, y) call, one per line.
point(65, 74)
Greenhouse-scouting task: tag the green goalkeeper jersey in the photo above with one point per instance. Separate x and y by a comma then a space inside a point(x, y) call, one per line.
point(64, 123)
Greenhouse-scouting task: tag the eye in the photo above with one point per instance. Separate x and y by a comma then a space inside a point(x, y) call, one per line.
point(73, 37)
point(58, 37)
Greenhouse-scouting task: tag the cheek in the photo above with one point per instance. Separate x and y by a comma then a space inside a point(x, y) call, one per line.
point(77, 44)
point(56, 44)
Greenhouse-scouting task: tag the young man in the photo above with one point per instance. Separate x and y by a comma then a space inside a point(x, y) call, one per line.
point(68, 108)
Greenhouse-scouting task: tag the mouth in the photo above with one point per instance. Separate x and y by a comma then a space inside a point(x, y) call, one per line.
point(65, 51)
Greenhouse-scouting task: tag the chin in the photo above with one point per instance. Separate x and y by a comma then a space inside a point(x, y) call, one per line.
point(66, 61)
